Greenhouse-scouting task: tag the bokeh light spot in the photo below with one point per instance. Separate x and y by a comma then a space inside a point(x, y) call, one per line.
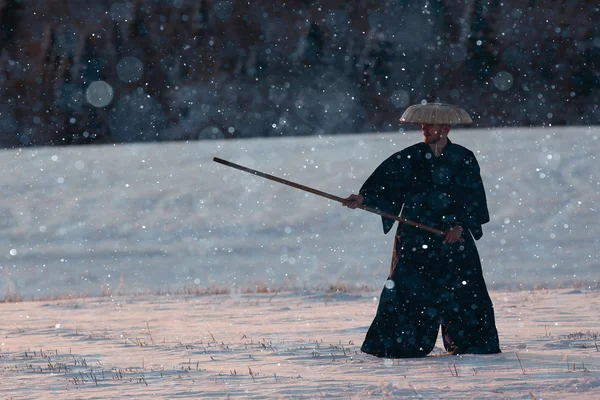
point(130, 69)
point(99, 94)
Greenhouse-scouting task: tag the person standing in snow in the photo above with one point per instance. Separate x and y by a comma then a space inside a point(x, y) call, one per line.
point(434, 280)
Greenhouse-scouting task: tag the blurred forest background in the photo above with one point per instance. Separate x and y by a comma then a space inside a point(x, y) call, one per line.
point(74, 72)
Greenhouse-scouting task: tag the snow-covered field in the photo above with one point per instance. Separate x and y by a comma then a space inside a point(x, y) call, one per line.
point(157, 217)
point(151, 227)
point(287, 346)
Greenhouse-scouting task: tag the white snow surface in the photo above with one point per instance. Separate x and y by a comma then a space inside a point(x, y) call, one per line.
point(150, 227)
point(286, 346)
point(163, 217)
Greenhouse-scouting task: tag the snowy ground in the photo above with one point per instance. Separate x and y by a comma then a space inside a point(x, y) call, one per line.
point(287, 346)
point(161, 217)
point(142, 224)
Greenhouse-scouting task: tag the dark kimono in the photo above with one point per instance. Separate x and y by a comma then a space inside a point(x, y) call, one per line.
point(431, 283)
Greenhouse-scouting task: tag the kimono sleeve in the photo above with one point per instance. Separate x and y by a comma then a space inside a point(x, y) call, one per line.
point(385, 189)
point(473, 210)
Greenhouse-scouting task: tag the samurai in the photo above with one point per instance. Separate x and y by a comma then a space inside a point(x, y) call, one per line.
point(436, 282)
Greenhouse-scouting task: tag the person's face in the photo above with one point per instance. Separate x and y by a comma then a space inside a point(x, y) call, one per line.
point(432, 133)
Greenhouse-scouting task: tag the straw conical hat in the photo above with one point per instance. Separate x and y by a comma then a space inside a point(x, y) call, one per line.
point(436, 113)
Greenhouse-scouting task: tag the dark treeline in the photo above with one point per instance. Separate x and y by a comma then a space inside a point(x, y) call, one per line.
point(145, 70)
